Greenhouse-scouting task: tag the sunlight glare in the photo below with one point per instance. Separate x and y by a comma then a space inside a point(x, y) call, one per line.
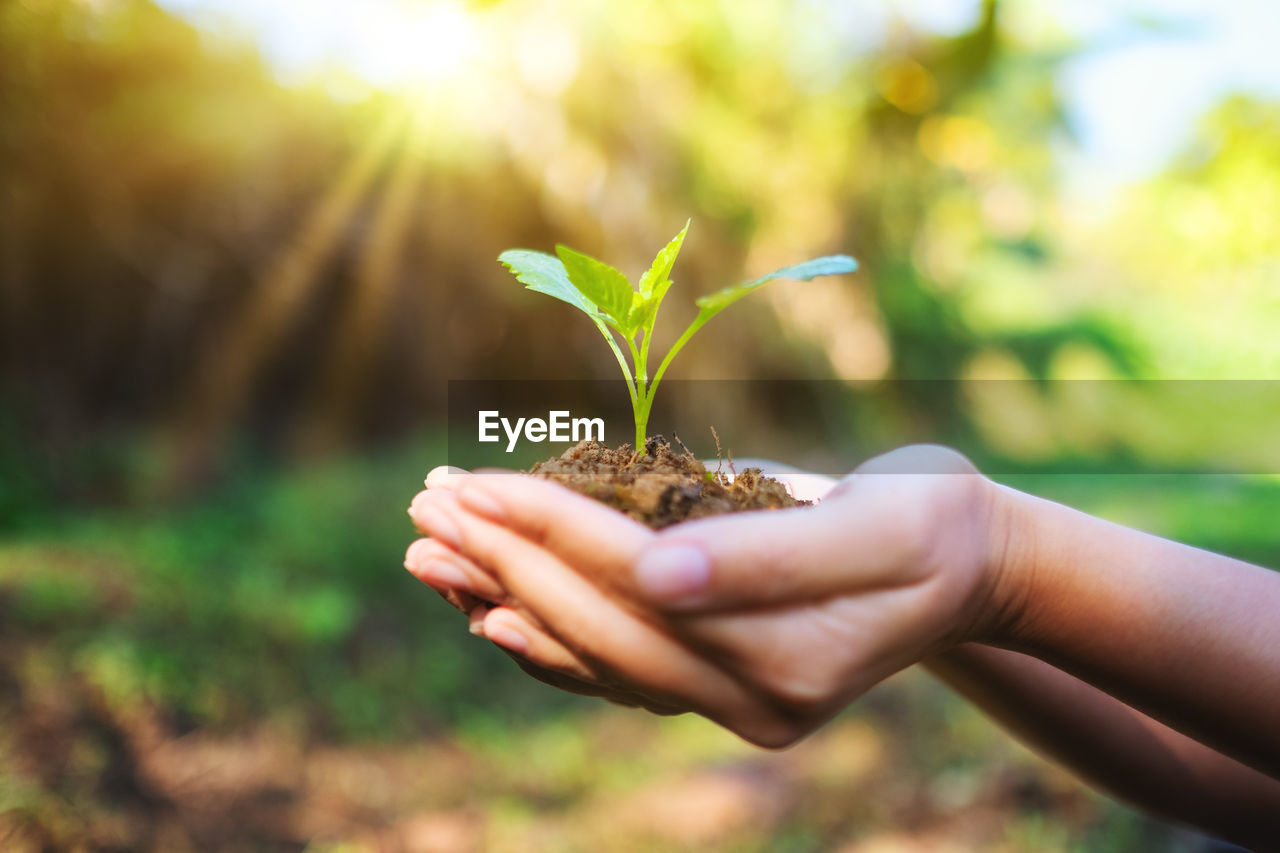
point(408, 44)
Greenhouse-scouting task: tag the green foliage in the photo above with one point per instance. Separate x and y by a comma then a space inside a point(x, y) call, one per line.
point(600, 284)
point(277, 596)
point(831, 265)
point(542, 273)
point(606, 296)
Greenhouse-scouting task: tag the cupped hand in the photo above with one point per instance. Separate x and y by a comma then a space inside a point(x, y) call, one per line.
point(767, 622)
point(495, 614)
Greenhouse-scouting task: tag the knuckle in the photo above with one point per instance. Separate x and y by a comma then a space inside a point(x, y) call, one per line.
point(919, 459)
point(925, 509)
point(941, 459)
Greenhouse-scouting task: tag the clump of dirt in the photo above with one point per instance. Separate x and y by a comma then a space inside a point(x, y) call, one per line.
point(661, 487)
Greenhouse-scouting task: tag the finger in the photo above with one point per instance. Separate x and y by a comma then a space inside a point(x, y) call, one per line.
point(623, 698)
point(556, 679)
point(596, 629)
point(557, 596)
point(463, 602)
point(724, 562)
point(585, 533)
point(780, 556)
point(567, 683)
point(515, 633)
point(442, 476)
point(533, 648)
point(475, 620)
point(443, 569)
point(870, 532)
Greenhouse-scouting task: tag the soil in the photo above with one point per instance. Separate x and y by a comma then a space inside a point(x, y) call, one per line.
point(661, 487)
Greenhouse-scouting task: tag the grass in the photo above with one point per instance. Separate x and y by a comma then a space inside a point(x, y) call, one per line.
point(277, 595)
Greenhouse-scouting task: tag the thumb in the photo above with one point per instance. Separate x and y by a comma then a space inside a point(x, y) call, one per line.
point(847, 543)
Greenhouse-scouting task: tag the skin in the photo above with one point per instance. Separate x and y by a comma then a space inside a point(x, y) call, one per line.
point(1150, 668)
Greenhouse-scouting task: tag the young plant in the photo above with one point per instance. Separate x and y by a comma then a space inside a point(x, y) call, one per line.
point(606, 296)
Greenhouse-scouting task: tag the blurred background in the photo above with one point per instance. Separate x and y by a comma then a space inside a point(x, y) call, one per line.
point(244, 246)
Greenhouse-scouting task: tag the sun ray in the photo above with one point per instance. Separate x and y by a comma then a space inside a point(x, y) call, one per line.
point(225, 379)
point(349, 360)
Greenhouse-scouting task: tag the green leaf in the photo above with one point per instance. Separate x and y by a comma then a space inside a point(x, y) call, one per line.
point(600, 283)
point(654, 283)
point(713, 303)
point(543, 273)
point(642, 311)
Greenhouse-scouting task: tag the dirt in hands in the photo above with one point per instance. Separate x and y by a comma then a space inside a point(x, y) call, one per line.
point(661, 486)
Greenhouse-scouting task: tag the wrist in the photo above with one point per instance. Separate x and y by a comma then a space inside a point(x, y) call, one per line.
point(1001, 596)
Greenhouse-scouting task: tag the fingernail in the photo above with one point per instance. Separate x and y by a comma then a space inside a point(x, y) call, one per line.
point(442, 477)
point(441, 575)
point(439, 525)
point(674, 572)
point(506, 637)
point(478, 502)
point(475, 620)
point(421, 552)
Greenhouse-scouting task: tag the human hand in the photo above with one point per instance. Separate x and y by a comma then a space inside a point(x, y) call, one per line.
point(493, 613)
point(765, 622)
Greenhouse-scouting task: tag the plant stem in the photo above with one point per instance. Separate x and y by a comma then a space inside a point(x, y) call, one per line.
point(698, 323)
point(642, 372)
point(641, 368)
point(642, 418)
point(638, 408)
point(643, 365)
point(622, 361)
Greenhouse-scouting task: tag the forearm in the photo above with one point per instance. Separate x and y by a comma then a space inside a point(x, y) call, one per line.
point(1114, 747)
point(1189, 638)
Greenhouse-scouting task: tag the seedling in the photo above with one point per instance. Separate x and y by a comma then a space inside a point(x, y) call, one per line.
point(606, 296)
